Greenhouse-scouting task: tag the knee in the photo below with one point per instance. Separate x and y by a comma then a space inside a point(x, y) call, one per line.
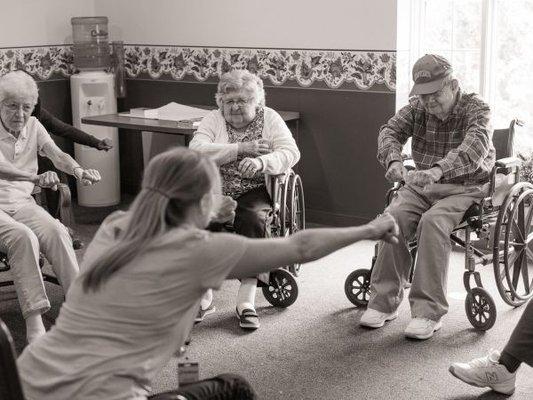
point(20, 237)
point(55, 230)
point(251, 223)
point(435, 225)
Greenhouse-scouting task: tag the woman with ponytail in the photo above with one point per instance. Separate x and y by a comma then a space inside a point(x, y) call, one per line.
point(142, 279)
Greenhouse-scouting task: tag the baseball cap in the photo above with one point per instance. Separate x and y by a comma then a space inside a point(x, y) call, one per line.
point(429, 72)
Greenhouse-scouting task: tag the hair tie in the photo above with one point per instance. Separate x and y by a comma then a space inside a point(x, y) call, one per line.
point(152, 189)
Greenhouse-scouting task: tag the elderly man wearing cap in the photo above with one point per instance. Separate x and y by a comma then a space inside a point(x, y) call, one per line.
point(453, 153)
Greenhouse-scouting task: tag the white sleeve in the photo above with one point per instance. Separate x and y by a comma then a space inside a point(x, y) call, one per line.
point(43, 137)
point(285, 153)
point(207, 140)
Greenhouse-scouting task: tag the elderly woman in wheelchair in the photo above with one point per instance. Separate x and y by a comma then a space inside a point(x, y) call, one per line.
point(26, 228)
point(249, 142)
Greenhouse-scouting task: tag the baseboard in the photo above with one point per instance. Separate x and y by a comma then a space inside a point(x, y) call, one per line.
point(333, 219)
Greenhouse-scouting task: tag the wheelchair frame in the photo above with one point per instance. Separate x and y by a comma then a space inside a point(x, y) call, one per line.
point(511, 238)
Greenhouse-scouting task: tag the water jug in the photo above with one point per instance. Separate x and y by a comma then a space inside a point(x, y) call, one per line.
point(91, 46)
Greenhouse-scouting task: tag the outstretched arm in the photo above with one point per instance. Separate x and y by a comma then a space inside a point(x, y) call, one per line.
point(263, 255)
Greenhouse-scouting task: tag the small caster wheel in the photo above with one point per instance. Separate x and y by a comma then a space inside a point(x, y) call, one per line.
point(357, 287)
point(294, 269)
point(282, 289)
point(480, 309)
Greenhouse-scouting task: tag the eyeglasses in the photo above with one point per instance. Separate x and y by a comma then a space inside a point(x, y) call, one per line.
point(27, 108)
point(237, 102)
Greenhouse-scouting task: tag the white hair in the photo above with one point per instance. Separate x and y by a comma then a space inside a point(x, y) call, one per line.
point(18, 83)
point(238, 80)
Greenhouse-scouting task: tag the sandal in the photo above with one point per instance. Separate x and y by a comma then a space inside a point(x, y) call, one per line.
point(248, 319)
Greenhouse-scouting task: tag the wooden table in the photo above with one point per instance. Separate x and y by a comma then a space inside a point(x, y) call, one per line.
point(163, 126)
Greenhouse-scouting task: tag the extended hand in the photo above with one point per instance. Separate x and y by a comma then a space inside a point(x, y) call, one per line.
point(105, 144)
point(248, 167)
point(396, 172)
point(225, 211)
point(87, 176)
point(384, 228)
point(49, 179)
point(425, 177)
point(255, 148)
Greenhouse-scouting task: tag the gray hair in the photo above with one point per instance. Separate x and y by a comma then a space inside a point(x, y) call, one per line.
point(18, 83)
point(237, 80)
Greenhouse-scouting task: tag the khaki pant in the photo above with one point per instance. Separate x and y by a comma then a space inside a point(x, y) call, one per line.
point(22, 235)
point(429, 215)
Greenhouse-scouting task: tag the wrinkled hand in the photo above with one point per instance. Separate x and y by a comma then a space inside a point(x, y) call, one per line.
point(396, 172)
point(48, 179)
point(425, 177)
point(255, 148)
point(248, 167)
point(87, 176)
point(105, 144)
point(384, 228)
point(225, 211)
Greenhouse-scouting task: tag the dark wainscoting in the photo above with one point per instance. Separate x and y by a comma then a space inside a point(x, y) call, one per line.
point(343, 182)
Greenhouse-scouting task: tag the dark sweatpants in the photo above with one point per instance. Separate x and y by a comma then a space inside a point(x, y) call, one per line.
point(520, 345)
point(221, 387)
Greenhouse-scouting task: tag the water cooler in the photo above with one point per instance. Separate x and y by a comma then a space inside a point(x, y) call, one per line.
point(93, 93)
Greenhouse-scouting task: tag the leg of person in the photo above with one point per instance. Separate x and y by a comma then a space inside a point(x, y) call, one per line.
point(221, 387)
point(391, 269)
point(252, 219)
point(206, 306)
point(22, 249)
point(54, 240)
point(428, 291)
point(498, 371)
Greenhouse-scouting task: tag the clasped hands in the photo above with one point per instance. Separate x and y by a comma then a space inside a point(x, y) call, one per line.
point(398, 173)
point(49, 179)
point(250, 166)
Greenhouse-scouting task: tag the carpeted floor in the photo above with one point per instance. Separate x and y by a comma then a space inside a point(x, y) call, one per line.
point(315, 349)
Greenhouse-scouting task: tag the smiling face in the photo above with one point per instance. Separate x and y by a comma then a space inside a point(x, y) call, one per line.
point(239, 107)
point(441, 102)
point(15, 110)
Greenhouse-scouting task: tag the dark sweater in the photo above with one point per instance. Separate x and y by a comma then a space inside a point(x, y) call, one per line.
point(59, 128)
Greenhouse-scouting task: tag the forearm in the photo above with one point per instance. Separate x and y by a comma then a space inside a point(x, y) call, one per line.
point(220, 153)
point(389, 147)
point(57, 127)
point(10, 173)
point(313, 244)
point(64, 162)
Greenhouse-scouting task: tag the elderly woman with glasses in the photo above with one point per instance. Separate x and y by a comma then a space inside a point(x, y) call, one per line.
point(248, 141)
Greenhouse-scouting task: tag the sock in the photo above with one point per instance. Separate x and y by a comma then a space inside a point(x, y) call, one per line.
point(207, 299)
point(246, 294)
point(509, 362)
point(34, 327)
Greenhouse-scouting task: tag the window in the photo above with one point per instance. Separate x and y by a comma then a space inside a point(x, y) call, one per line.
point(489, 44)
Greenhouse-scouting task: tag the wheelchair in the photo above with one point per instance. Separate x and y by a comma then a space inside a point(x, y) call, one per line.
point(507, 225)
point(65, 214)
point(288, 217)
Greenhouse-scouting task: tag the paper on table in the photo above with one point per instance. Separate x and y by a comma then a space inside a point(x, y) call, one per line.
point(179, 112)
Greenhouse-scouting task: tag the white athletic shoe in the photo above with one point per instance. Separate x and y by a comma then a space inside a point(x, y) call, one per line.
point(376, 319)
point(486, 372)
point(422, 328)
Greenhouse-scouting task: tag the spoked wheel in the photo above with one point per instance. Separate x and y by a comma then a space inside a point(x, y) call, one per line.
point(357, 287)
point(282, 289)
point(513, 247)
point(480, 309)
point(296, 211)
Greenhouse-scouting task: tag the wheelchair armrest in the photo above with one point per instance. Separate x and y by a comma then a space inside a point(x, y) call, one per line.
point(509, 162)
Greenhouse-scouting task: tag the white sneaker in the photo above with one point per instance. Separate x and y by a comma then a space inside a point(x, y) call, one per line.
point(376, 319)
point(486, 372)
point(422, 328)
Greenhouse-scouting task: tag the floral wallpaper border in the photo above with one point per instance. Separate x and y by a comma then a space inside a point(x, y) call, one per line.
point(346, 69)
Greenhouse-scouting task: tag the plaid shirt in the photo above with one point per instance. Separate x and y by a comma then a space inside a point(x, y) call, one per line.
point(461, 145)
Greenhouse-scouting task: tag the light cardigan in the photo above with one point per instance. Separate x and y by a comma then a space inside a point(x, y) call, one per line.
point(211, 138)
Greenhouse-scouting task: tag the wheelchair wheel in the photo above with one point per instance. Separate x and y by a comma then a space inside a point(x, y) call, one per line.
point(512, 253)
point(296, 220)
point(357, 287)
point(480, 309)
point(282, 289)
